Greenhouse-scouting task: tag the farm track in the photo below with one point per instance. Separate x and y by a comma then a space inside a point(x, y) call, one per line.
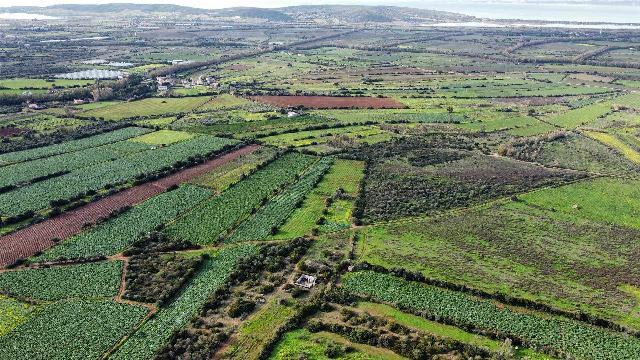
point(39, 237)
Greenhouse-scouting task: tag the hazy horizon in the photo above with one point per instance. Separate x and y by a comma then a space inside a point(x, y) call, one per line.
point(621, 11)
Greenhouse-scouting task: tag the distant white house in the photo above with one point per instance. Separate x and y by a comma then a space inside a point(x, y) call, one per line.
point(306, 281)
point(34, 106)
point(292, 114)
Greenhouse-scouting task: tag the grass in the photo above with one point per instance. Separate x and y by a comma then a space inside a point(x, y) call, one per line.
point(163, 137)
point(146, 107)
point(581, 116)
point(442, 330)
point(605, 200)
point(259, 330)
point(24, 83)
point(98, 105)
point(422, 324)
point(314, 346)
point(630, 100)
point(615, 143)
point(344, 174)
point(542, 248)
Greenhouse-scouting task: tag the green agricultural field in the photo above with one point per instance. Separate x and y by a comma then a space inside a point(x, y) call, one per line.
point(586, 230)
point(40, 195)
point(315, 345)
point(494, 214)
point(344, 175)
point(163, 137)
point(533, 329)
point(222, 177)
point(237, 202)
point(277, 210)
point(161, 122)
point(24, 83)
point(446, 331)
point(71, 329)
point(147, 107)
point(114, 235)
point(260, 330)
point(71, 146)
point(99, 280)
point(581, 116)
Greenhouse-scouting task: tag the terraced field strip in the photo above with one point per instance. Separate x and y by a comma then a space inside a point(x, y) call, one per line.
point(581, 116)
point(28, 172)
point(39, 237)
point(331, 102)
point(212, 220)
point(72, 146)
point(615, 143)
point(553, 335)
point(276, 211)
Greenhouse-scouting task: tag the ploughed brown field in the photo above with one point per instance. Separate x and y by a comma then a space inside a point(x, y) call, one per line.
point(331, 102)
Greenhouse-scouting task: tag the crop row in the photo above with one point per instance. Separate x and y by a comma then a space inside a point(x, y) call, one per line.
point(87, 180)
point(559, 337)
point(115, 234)
point(25, 172)
point(70, 330)
point(272, 215)
point(61, 282)
point(71, 146)
point(205, 224)
point(156, 332)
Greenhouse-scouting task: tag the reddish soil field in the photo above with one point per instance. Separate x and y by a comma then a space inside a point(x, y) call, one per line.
point(39, 237)
point(6, 132)
point(331, 102)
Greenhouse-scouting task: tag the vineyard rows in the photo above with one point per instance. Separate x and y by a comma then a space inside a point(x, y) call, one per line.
point(282, 206)
point(39, 196)
point(562, 337)
point(71, 146)
point(205, 224)
point(154, 333)
point(115, 234)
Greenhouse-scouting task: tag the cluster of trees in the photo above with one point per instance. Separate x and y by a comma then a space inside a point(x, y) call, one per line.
point(31, 139)
point(157, 279)
point(378, 332)
point(205, 333)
